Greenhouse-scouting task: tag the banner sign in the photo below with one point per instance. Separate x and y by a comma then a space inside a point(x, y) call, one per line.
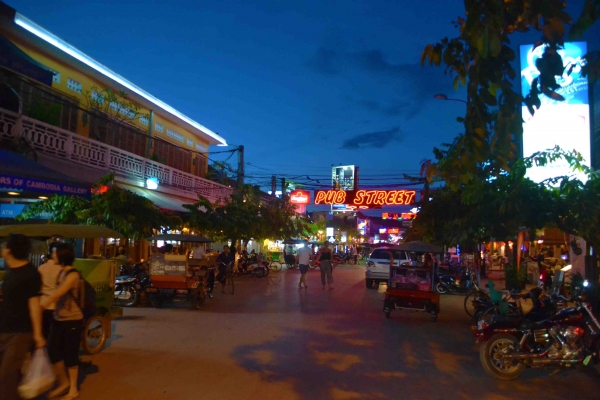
point(18, 184)
point(365, 198)
point(12, 210)
point(300, 197)
point(565, 123)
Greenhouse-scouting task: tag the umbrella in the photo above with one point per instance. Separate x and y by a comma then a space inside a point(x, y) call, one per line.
point(64, 231)
point(417, 247)
point(181, 238)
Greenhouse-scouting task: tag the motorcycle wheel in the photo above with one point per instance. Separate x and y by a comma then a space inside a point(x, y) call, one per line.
point(134, 298)
point(155, 300)
point(469, 298)
point(94, 335)
point(441, 288)
point(266, 270)
point(259, 272)
point(490, 357)
point(275, 266)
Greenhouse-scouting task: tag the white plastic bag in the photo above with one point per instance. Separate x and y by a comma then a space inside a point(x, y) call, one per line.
point(39, 377)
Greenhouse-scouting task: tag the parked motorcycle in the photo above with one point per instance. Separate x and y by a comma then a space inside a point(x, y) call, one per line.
point(128, 287)
point(567, 338)
point(447, 283)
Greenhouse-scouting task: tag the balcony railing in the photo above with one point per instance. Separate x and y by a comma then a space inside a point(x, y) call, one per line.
point(66, 145)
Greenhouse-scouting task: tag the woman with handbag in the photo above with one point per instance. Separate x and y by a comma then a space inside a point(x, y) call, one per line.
point(66, 329)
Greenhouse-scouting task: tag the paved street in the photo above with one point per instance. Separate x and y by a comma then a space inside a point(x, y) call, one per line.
point(272, 340)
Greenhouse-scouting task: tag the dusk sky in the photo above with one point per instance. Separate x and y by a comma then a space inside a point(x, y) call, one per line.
point(301, 84)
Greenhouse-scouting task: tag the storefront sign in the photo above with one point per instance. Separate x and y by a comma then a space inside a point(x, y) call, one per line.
point(19, 184)
point(393, 231)
point(12, 210)
point(300, 197)
point(365, 198)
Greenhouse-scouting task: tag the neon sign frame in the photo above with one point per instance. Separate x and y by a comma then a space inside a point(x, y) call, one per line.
point(300, 197)
point(365, 198)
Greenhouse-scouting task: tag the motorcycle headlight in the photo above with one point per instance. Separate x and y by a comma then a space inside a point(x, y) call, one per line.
point(586, 283)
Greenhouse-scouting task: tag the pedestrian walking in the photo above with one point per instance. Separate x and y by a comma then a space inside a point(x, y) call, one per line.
point(303, 257)
point(49, 272)
point(324, 255)
point(67, 326)
point(355, 254)
point(21, 317)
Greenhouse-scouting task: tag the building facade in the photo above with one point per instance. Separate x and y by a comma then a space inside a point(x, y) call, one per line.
point(62, 107)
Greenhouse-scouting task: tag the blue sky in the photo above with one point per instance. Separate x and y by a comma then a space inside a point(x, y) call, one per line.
point(301, 84)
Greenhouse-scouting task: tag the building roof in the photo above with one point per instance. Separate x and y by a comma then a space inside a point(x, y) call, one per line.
point(68, 49)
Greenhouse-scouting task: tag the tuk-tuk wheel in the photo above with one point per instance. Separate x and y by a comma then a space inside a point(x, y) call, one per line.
point(94, 335)
point(155, 300)
point(387, 310)
point(434, 316)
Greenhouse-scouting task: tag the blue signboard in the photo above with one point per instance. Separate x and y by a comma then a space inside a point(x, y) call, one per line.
point(19, 184)
point(12, 210)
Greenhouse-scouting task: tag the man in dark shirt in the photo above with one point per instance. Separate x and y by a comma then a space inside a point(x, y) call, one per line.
point(21, 315)
point(223, 261)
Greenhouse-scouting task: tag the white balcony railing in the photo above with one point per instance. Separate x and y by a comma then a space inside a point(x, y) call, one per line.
point(66, 145)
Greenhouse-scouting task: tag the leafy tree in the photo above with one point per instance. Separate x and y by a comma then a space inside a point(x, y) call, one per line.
point(481, 58)
point(132, 215)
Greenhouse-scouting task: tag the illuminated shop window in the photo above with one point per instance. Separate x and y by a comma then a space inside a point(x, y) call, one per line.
point(144, 120)
point(159, 128)
point(74, 85)
point(174, 135)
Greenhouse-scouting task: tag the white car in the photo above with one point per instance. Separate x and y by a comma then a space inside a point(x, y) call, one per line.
point(378, 265)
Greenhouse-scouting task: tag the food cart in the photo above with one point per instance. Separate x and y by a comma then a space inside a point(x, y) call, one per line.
point(178, 274)
point(410, 285)
point(98, 272)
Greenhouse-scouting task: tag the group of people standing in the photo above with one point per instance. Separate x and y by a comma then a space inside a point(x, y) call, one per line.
point(41, 308)
point(324, 256)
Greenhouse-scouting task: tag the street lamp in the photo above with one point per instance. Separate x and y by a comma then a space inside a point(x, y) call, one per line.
point(441, 96)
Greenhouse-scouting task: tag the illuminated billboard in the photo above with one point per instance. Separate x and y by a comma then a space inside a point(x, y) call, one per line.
point(563, 123)
point(365, 198)
point(342, 177)
point(300, 196)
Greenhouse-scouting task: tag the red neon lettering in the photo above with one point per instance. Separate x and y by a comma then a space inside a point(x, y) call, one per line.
point(400, 197)
point(341, 197)
point(409, 196)
point(380, 198)
point(389, 198)
point(330, 197)
point(360, 197)
point(320, 197)
point(371, 194)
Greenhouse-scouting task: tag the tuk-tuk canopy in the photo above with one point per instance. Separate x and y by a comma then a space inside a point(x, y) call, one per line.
point(417, 247)
point(62, 230)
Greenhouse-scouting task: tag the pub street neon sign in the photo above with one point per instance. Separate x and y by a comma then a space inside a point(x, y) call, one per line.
point(365, 198)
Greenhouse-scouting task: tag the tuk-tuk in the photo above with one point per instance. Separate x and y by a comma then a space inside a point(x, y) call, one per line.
point(98, 272)
point(178, 274)
point(411, 285)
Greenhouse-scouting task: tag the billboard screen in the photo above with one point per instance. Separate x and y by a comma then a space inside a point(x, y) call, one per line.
point(563, 123)
point(342, 177)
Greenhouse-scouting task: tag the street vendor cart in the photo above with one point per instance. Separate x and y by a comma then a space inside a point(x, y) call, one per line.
point(411, 285)
point(99, 273)
point(178, 274)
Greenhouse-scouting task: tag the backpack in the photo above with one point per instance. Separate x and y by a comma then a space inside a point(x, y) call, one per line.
point(87, 296)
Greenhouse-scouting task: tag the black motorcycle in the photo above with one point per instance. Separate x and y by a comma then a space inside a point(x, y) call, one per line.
point(128, 287)
point(447, 283)
point(563, 339)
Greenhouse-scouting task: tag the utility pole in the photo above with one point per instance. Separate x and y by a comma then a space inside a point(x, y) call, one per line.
point(273, 185)
point(282, 188)
point(240, 180)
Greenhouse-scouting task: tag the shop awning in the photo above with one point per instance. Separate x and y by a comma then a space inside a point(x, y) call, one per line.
point(24, 176)
point(15, 59)
point(162, 200)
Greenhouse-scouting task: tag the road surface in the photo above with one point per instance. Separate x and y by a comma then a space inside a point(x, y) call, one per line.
point(271, 340)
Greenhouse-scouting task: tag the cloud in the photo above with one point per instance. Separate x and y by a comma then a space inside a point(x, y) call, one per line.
point(324, 61)
point(376, 140)
point(405, 108)
point(418, 82)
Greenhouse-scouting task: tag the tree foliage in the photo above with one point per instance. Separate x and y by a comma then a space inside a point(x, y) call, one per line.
point(481, 59)
point(126, 212)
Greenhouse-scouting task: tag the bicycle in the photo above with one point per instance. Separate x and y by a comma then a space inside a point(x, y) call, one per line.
point(273, 265)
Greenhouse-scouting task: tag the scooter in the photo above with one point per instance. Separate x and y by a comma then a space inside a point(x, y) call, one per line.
point(128, 287)
point(449, 284)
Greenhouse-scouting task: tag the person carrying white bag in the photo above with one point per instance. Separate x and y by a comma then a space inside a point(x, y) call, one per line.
point(39, 377)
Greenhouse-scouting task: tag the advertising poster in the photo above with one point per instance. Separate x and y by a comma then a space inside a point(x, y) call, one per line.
point(342, 177)
point(563, 123)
